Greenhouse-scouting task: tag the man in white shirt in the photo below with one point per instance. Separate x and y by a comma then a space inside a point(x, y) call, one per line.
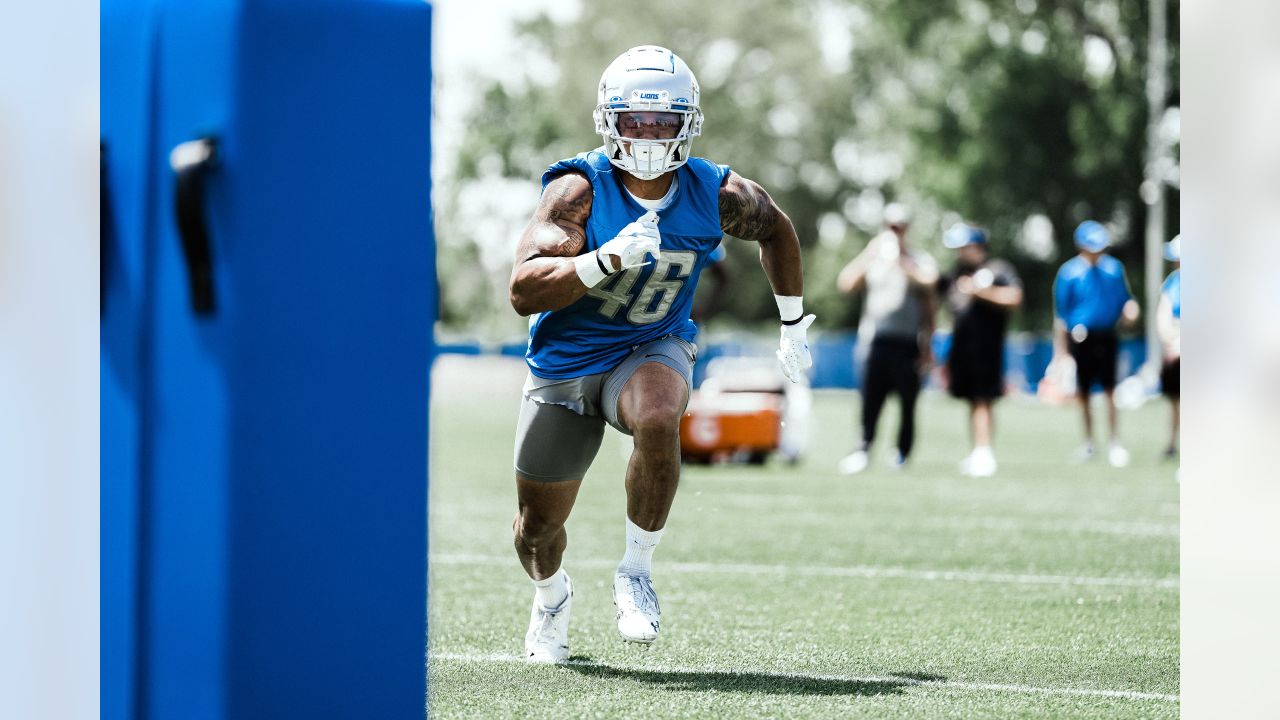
point(897, 323)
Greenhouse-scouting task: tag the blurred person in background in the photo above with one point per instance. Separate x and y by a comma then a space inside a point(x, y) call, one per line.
point(1091, 298)
point(1169, 325)
point(612, 341)
point(980, 292)
point(897, 324)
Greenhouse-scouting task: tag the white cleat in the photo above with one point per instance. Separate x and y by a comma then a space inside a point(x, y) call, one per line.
point(853, 463)
point(1117, 456)
point(548, 638)
point(638, 610)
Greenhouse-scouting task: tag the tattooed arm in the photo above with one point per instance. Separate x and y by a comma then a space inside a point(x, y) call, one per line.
point(747, 212)
point(544, 277)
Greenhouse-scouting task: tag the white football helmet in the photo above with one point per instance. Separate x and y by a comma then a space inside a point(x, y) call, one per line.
point(647, 78)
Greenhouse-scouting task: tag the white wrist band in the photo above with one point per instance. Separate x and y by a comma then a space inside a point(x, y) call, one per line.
point(589, 269)
point(790, 307)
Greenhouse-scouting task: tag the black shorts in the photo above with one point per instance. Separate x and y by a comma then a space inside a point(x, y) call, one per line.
point(976, 368)
point(1171, 378)
point(1095, 358)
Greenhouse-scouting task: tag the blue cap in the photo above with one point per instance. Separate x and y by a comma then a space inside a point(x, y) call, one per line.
point(1092, 236)
point(961, 234)
point(1173, 249)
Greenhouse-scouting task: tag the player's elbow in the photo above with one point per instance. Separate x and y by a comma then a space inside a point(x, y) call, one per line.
point(521, 301)
point(523, 306)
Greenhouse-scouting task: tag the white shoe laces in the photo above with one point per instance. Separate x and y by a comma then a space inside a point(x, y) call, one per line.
point(548, 615)
point(545, 629)
point(643, 598)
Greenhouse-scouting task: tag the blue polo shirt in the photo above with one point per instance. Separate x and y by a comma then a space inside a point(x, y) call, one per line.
point(1172, 289)
point(1090, 295)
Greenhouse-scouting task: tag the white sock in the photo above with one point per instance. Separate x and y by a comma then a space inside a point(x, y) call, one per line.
point(551, 592)
point(638, 558)
point(984, 452)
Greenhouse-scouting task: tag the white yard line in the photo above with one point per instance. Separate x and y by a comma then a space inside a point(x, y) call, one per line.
point(858, 571)
point(1073, 527)
point(797, 508)
point(904, 681)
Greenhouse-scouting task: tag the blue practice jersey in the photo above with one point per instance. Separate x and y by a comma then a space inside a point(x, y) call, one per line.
point(1091, 295)
point(639, 304)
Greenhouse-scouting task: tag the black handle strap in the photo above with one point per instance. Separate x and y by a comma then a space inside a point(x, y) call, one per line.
point(191, 162)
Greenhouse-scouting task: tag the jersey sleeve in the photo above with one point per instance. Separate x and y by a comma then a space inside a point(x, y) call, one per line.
point(707, 180)
point(588, 164)
point(709, 172)
point(722, 173)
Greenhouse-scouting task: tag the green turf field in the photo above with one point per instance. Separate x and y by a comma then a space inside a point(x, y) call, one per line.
point(1048, 591)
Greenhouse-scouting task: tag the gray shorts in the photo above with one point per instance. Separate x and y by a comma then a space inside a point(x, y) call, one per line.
point(562, 421)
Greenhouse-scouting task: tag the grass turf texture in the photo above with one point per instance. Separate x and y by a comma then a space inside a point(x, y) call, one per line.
point(797, 592)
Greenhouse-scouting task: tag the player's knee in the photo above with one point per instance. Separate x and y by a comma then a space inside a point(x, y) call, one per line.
point(657, 421)
point(533, 530)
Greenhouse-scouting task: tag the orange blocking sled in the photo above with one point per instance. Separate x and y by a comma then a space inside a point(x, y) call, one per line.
point(722, 425)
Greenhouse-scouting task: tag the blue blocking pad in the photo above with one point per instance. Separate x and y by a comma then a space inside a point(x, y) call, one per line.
point(264, 454)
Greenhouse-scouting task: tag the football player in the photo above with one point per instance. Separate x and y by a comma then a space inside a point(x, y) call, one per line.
point(607, 268)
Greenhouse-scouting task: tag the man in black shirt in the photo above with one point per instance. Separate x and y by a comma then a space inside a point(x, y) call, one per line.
point(980, 292)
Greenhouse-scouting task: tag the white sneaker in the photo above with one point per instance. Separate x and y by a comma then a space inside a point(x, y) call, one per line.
point(896, 461)
point(981, 462)
point(1117, 455)
point(548, 638)
point(1083, 454)
point(853, 463)
point(637, 608)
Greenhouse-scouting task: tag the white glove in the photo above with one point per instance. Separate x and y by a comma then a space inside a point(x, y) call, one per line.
point(793, 349)
point(634, 242)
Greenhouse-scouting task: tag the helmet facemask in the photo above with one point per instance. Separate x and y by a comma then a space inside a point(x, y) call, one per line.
point(634, 139)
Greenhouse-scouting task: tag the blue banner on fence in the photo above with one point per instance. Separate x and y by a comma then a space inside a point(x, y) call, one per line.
point(837, 363)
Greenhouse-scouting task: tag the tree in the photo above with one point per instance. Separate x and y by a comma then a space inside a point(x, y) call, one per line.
point(995, 112)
